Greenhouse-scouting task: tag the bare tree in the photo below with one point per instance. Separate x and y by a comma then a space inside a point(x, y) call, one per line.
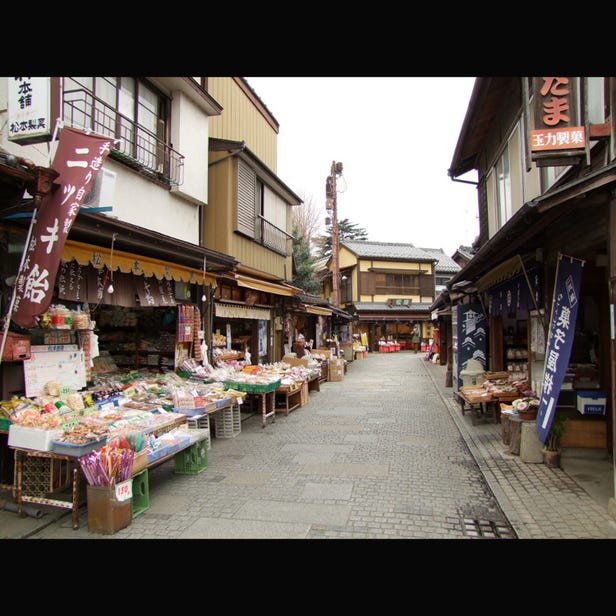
point(308, 221)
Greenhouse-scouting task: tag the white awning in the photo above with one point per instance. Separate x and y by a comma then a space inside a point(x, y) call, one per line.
point(232, 311)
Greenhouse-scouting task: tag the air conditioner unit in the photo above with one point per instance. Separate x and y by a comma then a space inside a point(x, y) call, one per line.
point(102, 193)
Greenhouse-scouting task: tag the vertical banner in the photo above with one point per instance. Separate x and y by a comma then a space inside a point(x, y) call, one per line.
point(78, 159)
point(472, 336)
point(565, 306)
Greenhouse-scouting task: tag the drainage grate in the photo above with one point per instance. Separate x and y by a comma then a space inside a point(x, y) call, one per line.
point(487, 529)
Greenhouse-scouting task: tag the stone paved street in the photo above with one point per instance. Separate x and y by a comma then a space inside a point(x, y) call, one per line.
point(375, 456)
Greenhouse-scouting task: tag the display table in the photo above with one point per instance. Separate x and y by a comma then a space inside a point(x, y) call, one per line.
point(314, 384)
point(287, 398)
point(43, 472)
point(267, 405)
point(263, 394)
point(480, 408)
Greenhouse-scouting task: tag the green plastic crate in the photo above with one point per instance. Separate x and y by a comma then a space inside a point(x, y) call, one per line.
point(192, 460)
point(141, 493)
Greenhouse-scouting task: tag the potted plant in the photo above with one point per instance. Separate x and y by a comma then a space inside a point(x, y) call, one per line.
point(551, 449)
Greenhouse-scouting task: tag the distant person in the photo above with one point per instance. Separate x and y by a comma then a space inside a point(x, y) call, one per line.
point(415, 338)
point(299, 346)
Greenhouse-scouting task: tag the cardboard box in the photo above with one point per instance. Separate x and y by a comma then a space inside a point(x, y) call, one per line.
point(591, 402)
point(109, 507)
point(16, 348)
point(336, 370)
point(32, 438)
point(294, 361)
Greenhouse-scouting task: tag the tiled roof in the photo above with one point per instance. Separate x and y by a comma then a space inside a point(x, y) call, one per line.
point(445, 265)
point(386, 250)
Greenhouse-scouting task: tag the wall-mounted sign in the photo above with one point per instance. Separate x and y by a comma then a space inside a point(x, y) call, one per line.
point(558, 132)
point(29, 109)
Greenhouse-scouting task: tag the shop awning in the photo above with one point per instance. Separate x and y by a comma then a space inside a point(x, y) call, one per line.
point(317, 310)
point(500, 273)
point(99, 257)
point(233, 311)
point(260, 285)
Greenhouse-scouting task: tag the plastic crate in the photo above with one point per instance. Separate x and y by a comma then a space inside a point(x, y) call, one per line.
point(228, 422)
point(76, 451)
point(191, 461)
point(141, 493)
point(5, 423)
point(189, 412)
point(253, 388)
point(201, 424)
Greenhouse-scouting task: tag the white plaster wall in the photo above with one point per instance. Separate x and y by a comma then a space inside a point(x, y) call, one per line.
point(189, 137)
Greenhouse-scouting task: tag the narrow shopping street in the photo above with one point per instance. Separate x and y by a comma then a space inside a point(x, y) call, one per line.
point(374, 456)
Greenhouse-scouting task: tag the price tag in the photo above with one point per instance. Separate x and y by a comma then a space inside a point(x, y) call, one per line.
point(124, 490)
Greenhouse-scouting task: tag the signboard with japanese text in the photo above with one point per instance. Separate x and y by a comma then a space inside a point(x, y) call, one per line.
point(558, 132)
point(29, 109)
point(78, 159)
point(560, 339)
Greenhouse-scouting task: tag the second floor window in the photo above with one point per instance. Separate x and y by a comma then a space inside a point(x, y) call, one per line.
point(261, 214)
point(130, 110)
point(397, 284)
point(503, 188)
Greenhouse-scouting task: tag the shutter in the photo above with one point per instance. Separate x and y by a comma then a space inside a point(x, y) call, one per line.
point(368, 283)
point(426, 285)
point(246, 198)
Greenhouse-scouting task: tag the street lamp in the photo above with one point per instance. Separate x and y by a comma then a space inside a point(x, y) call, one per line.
point(331, 204)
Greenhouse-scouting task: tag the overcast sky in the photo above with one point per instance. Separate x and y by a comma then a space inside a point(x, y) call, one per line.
point(395, 137)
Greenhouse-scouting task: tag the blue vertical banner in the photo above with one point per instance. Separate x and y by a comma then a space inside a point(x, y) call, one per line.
point(565, 306)
point(472, 336)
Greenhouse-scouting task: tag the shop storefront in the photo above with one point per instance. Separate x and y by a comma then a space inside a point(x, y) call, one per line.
point(512, 283)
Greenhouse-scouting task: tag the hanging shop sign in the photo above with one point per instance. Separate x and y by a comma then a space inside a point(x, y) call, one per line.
point(565, 306)
point(558, 133)
point(77, 161)
point(86, 284)
point(30, 116)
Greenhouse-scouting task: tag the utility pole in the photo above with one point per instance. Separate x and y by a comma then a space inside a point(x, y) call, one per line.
point(331, 204)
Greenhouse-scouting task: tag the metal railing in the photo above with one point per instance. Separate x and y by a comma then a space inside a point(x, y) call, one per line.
point(274, 238)
point(137, 146)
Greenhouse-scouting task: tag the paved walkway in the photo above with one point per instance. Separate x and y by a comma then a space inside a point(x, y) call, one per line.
point(386, 453)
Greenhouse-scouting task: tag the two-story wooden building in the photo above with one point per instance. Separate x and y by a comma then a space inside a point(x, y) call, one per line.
point(544, 152)
point(389, 287)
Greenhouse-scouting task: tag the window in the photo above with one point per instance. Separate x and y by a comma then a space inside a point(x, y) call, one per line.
point(346, 295)
point(261, 213)
point(503, 188)
point(131, 111)
point(397, 284)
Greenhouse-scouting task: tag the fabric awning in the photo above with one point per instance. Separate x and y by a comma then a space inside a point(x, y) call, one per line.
point(260, 285)
point(317, 310)
point(99, 257)
point(501, 272)
point(233, 311)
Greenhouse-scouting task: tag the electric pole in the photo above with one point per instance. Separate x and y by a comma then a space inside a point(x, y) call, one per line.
point(331, 203)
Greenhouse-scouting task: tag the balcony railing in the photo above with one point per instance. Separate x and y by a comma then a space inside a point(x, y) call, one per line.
point(137, 146)
point(274, 238)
